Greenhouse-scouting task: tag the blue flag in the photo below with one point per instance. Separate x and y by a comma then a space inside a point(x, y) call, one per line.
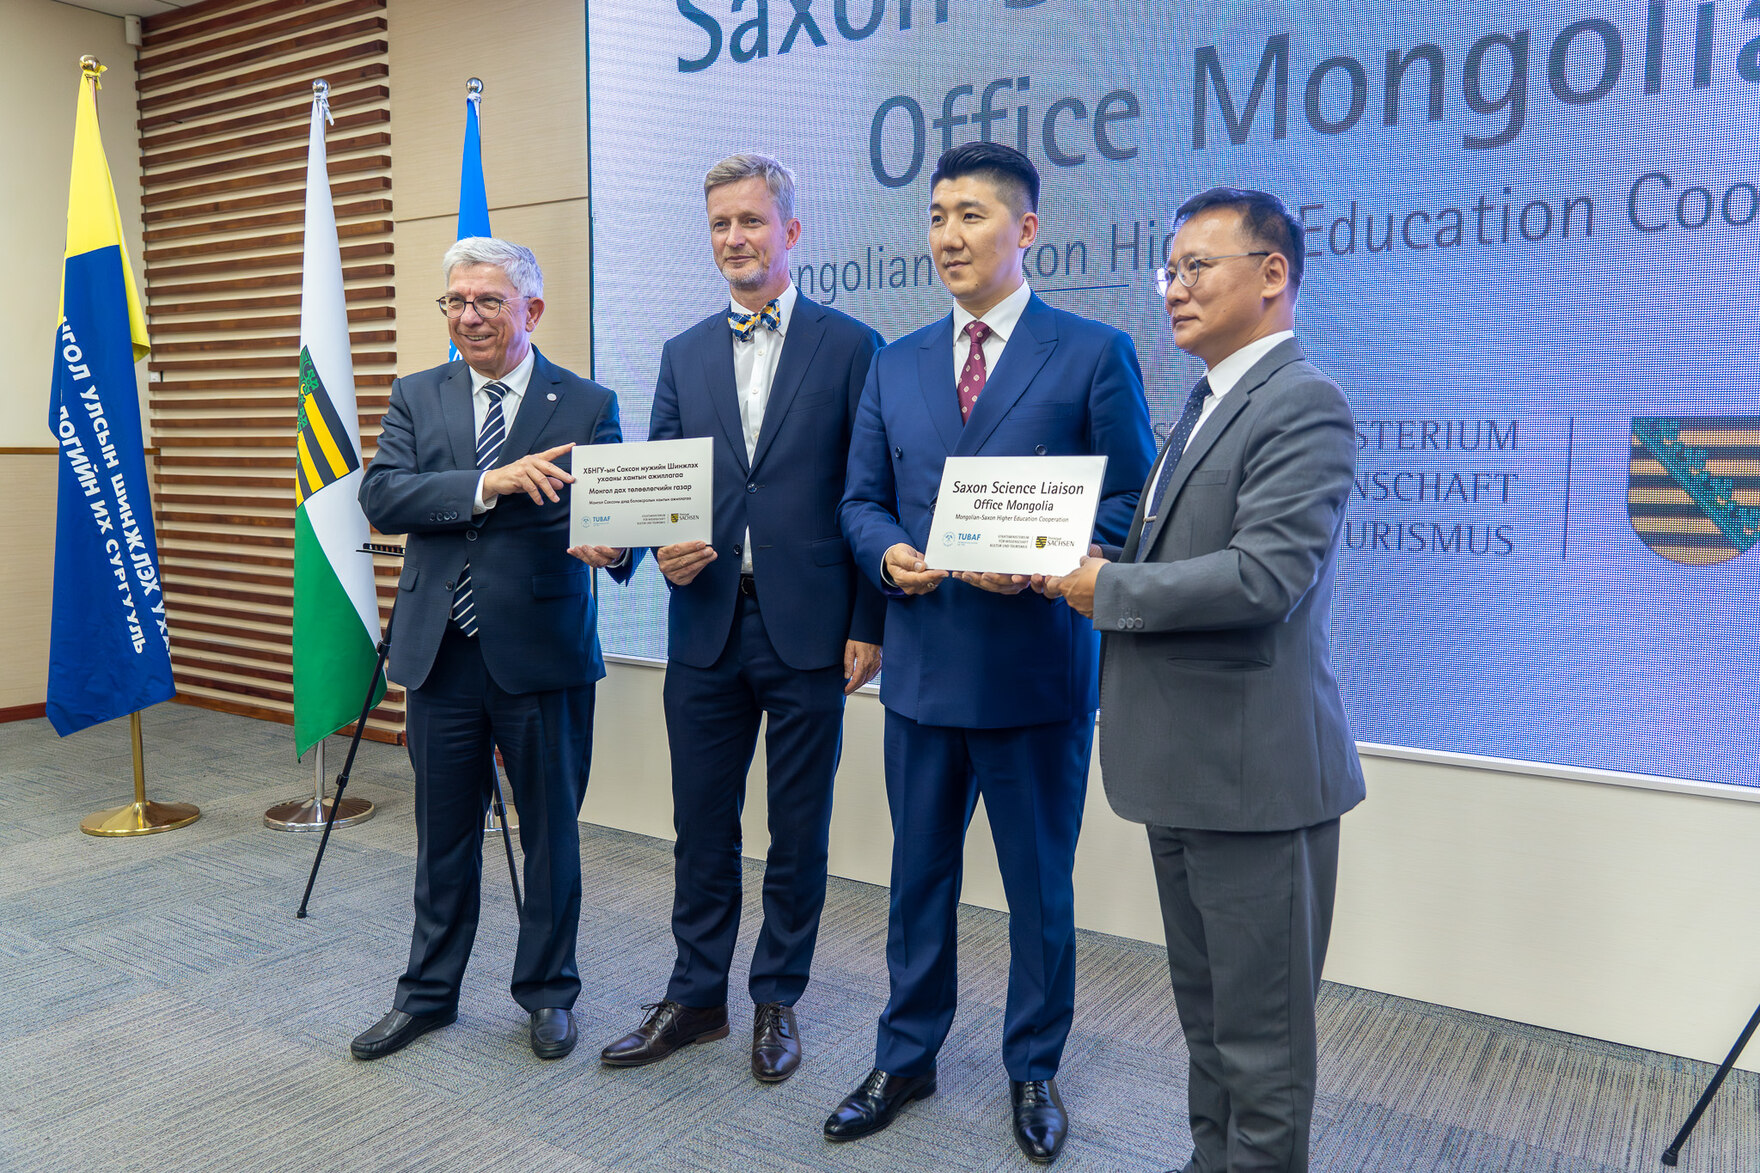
point(109, 648)
point(473, 194)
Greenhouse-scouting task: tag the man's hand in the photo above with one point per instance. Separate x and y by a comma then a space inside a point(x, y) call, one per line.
point(907, 570)
point(861, 663)
point(1001, 584)
point(681, 562)
point(598, 557)
point(532, 475)
point(1077, 587)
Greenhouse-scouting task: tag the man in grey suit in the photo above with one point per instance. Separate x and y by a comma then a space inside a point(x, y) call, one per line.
point(1221, 725)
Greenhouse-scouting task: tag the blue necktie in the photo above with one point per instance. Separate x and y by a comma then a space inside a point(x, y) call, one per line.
point(1175, 449)
point(745, 325)
point(489, 442)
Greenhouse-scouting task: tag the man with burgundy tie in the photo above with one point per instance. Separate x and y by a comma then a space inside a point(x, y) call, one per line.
point(989, 687)
point(1223, 730)
point(494, 635)
point(769, 621)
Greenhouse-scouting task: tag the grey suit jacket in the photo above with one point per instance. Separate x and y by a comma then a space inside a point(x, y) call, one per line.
point(1218, 707)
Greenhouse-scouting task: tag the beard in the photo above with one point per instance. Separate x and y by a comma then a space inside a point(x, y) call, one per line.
point(753, 278)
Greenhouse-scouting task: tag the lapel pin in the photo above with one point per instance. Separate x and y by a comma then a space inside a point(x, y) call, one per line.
point(551, 397)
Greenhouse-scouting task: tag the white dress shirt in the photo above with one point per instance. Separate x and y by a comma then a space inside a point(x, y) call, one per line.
point(1001, 318)
point(516, 382)
point(754, 370)
point(1223, 377)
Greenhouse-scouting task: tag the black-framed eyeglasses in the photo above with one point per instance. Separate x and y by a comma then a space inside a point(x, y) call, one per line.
point(453, 306)
point(1187, 270)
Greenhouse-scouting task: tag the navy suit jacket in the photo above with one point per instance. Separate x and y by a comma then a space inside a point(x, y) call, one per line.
point(1065, 386)
point(536, 614)
point(787, 494)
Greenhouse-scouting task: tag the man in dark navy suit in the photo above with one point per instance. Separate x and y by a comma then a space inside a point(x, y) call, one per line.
point(495, 636)
point(770, 619)
point(989, 687)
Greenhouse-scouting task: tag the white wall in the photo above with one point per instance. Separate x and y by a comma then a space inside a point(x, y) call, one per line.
point(1602, 910)
point(40, 46)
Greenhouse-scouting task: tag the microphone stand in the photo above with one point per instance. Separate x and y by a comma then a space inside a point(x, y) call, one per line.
point(1672, 1153)
point(354, 743)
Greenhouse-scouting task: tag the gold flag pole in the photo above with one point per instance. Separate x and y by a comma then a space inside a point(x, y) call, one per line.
point(140, 817)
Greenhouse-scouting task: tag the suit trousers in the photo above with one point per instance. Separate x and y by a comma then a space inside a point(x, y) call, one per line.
point(712, 717)
point(456, 720)
point(1034, 781)
point(1248, 916)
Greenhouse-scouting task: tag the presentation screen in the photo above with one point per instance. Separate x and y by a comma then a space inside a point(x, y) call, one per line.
point(1533, 250)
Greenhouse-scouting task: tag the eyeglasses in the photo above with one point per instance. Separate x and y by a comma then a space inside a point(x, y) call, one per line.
point(1188, 269)
point(487, 307)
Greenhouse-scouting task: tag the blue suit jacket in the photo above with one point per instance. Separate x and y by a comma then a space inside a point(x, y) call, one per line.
point(813, 599)
point(1065, 386)
point(536, 615)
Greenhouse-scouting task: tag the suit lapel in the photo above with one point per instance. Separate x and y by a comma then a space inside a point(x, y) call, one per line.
point(806, 329)
point(456, 410)
point(1211, 430)
point(723, 391)
point(1035, 337)
point(935, 380)
point(543, 391)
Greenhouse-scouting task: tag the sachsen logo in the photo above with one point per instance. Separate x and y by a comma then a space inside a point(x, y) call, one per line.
point(1693, 492)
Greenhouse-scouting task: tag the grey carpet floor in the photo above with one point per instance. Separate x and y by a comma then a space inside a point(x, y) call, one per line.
point(161, 1009)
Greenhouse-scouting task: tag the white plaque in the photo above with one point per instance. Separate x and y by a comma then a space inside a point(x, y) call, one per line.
point(651, 494)
point(1015, 514)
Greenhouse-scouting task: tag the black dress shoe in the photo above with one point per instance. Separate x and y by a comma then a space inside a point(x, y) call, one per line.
point(396, 1031)
point(776, 1042)
point(668, 1027)
point(1040, 1123)
point(872, 1106)
point(553, 1033)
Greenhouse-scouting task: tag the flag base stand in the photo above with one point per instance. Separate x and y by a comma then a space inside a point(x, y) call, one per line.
point(305, 814)
point(502, 809)
point(310, 814)
point(140, 817)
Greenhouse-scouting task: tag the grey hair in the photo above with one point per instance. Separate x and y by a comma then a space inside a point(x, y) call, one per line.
point(779, 179)
point(516, 260)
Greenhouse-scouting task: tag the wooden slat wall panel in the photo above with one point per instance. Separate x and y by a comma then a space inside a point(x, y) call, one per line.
point(224, 104)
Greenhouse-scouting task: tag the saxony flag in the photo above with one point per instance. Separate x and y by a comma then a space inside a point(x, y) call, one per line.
point(335, 611)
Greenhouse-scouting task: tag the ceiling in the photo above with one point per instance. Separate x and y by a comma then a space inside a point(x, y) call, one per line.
point(128, 7)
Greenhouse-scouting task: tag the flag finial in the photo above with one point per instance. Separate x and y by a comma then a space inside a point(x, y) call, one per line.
point(89, 67)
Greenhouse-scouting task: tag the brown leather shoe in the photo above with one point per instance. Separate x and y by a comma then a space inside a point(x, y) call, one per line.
point(668, 1027)
point(776, 1042)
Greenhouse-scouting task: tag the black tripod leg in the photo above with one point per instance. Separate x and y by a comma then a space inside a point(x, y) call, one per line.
point(506, 839)
point(1672, 1153)
point(354, 743)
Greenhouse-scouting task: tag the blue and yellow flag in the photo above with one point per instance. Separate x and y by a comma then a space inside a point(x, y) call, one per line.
point(109, 649)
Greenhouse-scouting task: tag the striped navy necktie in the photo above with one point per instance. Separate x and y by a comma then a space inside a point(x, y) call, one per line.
point(489, 442)
point(1176, 448)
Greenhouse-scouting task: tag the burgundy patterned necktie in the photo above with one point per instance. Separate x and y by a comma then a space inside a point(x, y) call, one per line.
point(971, 376)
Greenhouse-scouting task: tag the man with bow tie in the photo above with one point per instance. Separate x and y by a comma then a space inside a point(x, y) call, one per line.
point(770, 619)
